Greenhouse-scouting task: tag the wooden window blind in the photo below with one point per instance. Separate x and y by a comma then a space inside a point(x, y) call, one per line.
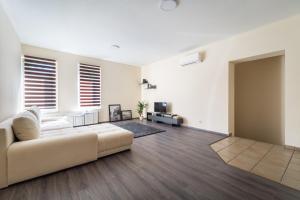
point(40, 82)
point(90, 85)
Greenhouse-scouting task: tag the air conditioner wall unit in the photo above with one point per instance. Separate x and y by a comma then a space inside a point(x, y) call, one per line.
point(192, 59)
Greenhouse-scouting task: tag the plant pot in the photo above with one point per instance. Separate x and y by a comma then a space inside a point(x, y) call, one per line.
point(141, 118)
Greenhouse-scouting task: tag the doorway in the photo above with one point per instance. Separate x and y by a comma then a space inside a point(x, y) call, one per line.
point(257, 99)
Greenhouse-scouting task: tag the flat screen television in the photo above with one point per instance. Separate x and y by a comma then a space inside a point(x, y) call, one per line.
point(160, 107)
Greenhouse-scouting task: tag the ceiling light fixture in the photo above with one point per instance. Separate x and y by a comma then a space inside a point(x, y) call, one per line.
point(168, 5)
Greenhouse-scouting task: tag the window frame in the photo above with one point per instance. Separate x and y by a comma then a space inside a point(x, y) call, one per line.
point(43, 110)
point(88, 108)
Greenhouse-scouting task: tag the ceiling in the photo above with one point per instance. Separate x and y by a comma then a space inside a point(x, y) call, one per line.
point(144, 33)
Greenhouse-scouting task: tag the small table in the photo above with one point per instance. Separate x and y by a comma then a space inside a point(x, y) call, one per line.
point(86, 118)
point(78, 120)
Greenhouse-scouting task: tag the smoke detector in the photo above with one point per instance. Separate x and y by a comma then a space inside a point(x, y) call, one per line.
point(168, 5)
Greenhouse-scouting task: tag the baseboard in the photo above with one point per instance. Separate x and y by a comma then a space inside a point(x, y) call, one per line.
point(208, 131)
point(292, 147)
point(189, 127)
point(101, 122)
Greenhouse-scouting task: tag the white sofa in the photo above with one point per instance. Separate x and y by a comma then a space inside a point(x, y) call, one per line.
point(56, 149)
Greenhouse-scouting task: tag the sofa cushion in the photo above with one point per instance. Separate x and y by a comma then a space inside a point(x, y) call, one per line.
point(36, 111)
point(25, 126)
point(108, 141)
point(109, 136)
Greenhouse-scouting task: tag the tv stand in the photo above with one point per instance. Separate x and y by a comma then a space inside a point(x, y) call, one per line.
point(166, 118)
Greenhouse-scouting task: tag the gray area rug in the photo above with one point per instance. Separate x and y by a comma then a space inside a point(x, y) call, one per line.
point(140, 130)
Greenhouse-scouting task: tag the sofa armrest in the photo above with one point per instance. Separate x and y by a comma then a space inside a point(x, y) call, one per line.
point(33, 158)
point(6, 139)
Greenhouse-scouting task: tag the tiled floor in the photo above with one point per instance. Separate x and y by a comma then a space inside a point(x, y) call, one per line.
point(274, 162)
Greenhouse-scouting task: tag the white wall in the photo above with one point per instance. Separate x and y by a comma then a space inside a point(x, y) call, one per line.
point(10, 67)
point(200, 92)
point(119, 82)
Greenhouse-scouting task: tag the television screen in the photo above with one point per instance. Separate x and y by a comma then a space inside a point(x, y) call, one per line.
point(160, 107)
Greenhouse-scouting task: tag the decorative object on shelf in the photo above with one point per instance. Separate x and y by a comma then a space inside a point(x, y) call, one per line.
point(145, 81)
point(149, 86)
point(140, 108)
point(126, 114)
point(115, 113)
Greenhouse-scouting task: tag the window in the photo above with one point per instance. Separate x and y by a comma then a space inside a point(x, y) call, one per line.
point(90, 85)
point(40, 82)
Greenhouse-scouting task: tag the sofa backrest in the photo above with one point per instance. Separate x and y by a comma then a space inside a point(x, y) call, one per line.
point(6, 138)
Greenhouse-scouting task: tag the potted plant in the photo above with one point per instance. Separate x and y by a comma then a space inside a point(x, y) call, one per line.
point(140, 108)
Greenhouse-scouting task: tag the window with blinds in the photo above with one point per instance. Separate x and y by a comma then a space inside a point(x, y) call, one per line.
point(90, 85)
point(40, 82)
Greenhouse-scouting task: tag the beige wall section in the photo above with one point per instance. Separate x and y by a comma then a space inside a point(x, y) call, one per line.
point(258, 100)
point(199, 92)
point(10, 68)
point(119, 82)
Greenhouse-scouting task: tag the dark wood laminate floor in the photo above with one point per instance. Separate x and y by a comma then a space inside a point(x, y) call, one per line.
point(177, 164)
